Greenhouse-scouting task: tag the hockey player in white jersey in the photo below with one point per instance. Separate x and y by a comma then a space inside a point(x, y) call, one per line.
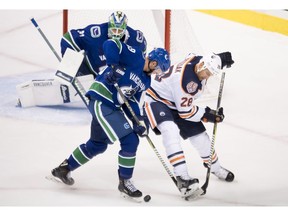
point(170, 108)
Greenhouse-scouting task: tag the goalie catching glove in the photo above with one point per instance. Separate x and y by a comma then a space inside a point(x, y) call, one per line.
point(141, 129)
point(114, 74)
point(212, 115)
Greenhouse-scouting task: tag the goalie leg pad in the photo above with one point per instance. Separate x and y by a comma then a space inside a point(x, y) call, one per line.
point(42, 93)
point(49, 92)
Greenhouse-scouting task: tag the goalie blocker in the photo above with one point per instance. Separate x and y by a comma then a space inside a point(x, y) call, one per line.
point(51, 92)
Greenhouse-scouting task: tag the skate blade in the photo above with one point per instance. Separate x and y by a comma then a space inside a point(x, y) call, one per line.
point(197, 193)
point(133, 199)
point(54, 179)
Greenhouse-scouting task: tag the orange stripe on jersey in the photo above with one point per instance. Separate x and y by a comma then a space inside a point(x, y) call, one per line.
point(183, 68)
point(178, 158)
point(150, 115)
point(154, 96)
point(151, 93)
point(214, 158)
point(190, 114)
point(206, 161)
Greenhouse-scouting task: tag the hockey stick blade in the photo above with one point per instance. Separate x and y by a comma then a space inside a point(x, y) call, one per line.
point(192, 192)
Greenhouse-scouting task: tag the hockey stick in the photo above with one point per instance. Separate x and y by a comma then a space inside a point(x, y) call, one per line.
point(205, 185)
point(147, 137)
point(75, 82)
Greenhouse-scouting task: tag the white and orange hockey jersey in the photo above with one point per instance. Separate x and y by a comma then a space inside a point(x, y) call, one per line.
point(178, 88)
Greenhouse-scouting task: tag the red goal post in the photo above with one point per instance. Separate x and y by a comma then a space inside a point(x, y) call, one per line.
point(168, 28)
point(172, 29)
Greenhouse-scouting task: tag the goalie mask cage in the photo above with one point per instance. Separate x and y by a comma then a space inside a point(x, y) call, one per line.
point(172, 29)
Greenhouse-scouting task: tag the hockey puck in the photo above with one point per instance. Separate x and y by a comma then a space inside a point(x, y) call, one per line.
point(147, 198)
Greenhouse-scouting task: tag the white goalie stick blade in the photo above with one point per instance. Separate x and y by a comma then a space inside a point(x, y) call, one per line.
point(133, 199)
point(69, 66)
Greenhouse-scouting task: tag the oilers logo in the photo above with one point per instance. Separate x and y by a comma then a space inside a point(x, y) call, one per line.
point(191, 87)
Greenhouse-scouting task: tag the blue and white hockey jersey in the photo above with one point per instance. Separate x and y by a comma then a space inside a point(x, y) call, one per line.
point(178, 88)
point(91, 39)
point(133, 83)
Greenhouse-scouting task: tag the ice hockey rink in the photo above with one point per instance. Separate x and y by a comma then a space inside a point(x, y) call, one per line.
point(252, 141)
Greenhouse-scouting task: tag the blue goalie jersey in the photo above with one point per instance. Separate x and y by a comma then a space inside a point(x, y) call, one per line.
point(91, 39)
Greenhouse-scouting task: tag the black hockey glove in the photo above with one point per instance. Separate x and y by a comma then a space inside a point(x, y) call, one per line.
point(211, 115)
point(226, 59)
point(142, 129)
point(113, 75)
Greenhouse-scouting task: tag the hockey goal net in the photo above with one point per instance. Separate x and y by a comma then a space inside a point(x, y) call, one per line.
point(171, 29)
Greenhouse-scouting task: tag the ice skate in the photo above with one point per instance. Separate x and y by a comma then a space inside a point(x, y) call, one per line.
point(18, 103)
point(62, 173)
point(224, 174)
point(188, 187)
point(129, 191)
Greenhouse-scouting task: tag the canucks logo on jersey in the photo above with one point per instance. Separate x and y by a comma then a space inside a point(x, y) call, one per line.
point(129, 91)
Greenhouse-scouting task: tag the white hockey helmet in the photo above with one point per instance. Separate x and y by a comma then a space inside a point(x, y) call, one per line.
point(212, 62)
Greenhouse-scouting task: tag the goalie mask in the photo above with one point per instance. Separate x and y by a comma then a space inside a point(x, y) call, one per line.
point(212, 62)
point(117, 25)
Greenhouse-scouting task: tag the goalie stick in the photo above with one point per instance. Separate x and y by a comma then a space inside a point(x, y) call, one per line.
point(205, 185)
point(71, 79)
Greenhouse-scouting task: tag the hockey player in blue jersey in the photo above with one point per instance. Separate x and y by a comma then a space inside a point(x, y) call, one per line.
point(131, 70)
point(90, 40)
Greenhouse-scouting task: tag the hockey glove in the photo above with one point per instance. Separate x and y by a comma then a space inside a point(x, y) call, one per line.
point(113, 75)
point(226, 59)
point(212, 116)
point(143, 129)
